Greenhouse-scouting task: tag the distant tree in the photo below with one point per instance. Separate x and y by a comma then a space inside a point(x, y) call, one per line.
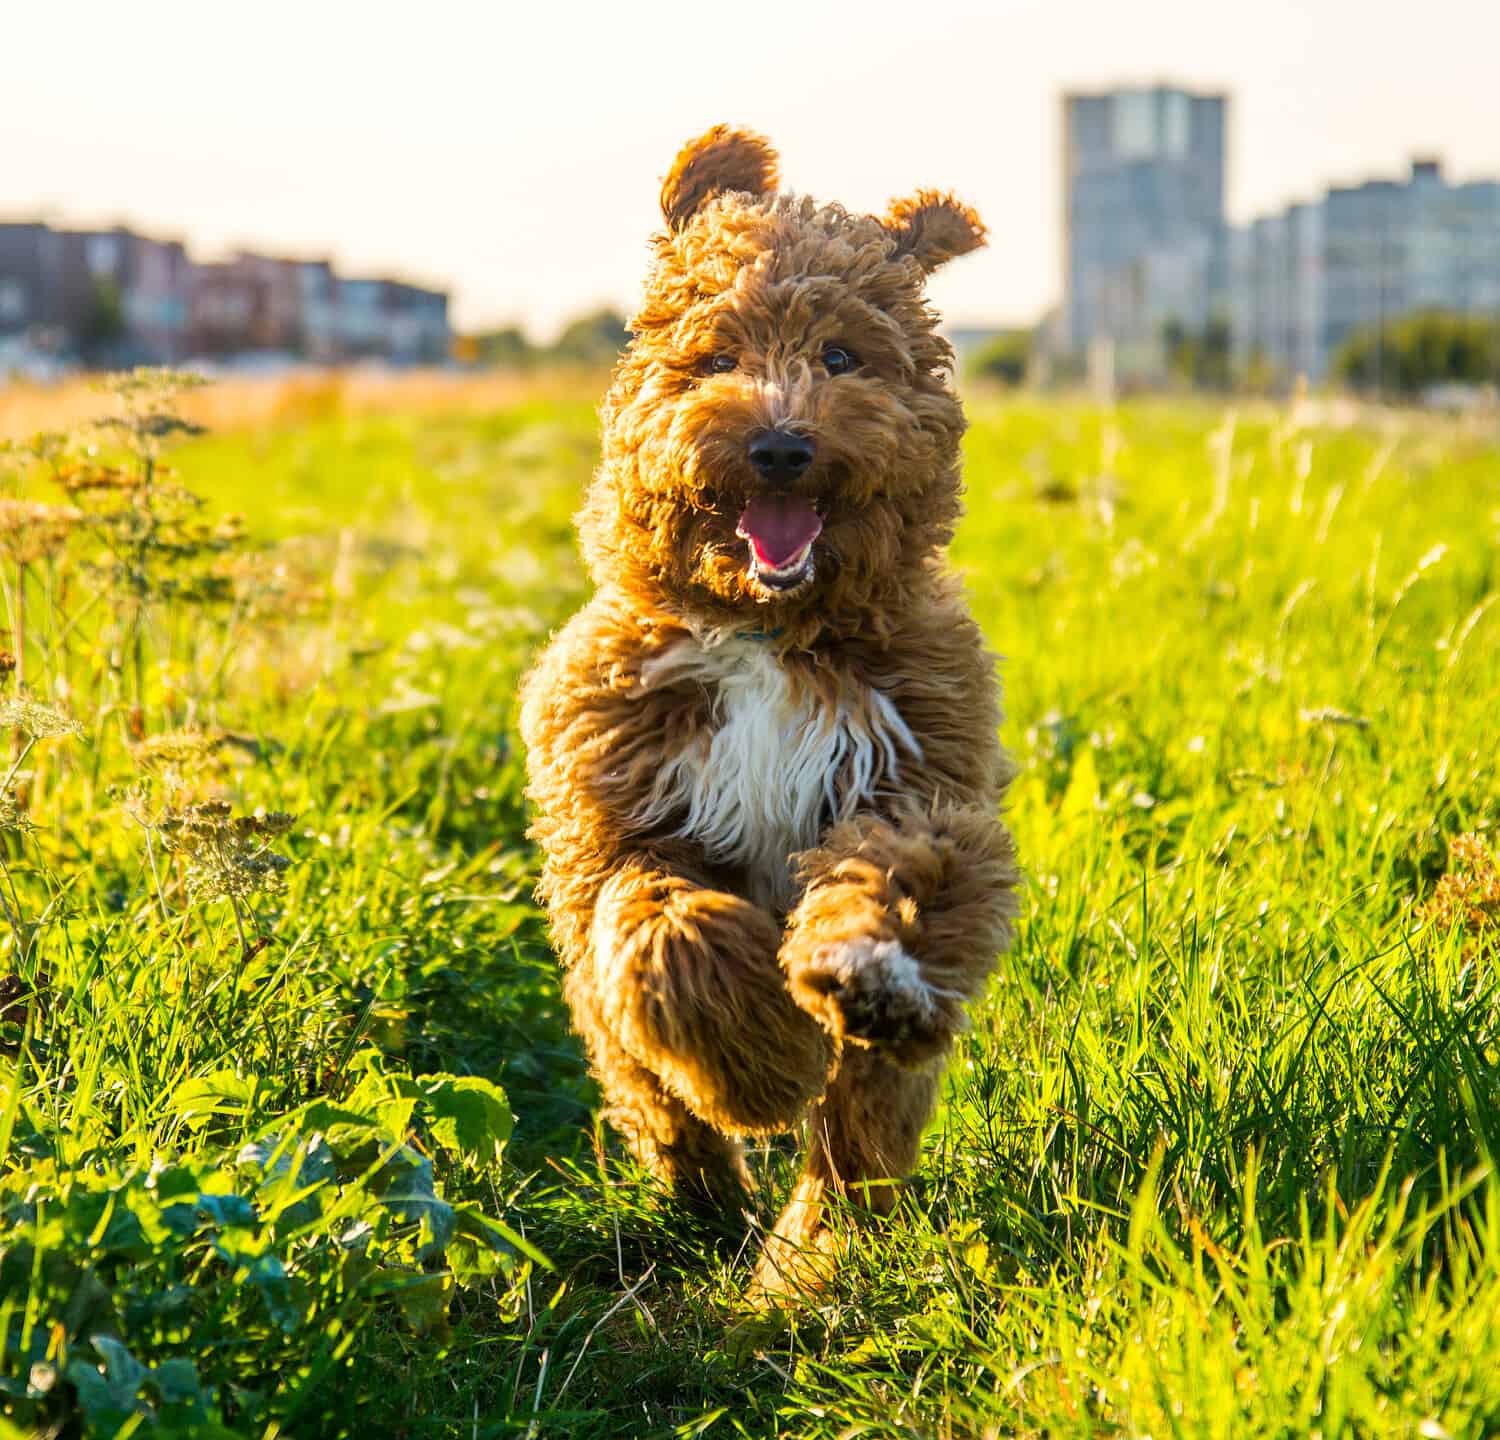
point(1260, 377)
point(1216, 354)
point(1429, 347)
point(1201, 360)
point(509, 348)
point(1004, 358)
point(105, 325)
point(593, 339)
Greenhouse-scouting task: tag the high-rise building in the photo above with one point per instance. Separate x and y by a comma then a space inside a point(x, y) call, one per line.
point(1143, 212)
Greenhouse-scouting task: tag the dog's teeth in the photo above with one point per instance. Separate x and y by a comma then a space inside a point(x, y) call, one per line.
point(796, 564)
point(787, 576)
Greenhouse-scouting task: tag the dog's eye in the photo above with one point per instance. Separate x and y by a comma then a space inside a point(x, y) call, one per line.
point(838, 361)
point(720, 364)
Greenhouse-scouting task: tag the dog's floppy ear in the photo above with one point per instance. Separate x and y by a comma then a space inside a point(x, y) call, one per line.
point(725, 159)
point(934, 227)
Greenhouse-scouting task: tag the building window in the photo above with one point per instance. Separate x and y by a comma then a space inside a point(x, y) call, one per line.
point(12, 302)
point(101, 254)
point(1177, 121)
point(1134, 128)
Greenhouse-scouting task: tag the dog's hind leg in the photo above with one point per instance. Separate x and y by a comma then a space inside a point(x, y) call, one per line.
point(703, 1168)
point(864, 1136)
point(699, 1165)
point(682, 984)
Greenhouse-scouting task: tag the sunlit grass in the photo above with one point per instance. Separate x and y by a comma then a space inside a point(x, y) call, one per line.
point(1213, 1160)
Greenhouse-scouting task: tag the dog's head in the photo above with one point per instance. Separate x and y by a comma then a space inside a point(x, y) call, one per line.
point(781, 441)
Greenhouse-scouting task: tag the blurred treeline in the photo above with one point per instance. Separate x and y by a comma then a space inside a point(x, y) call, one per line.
point(592, 340)
point(1404, 357)
point(1418, 351)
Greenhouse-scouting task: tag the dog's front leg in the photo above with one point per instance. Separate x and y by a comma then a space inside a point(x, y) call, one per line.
point(901, 919)
point(686, 979)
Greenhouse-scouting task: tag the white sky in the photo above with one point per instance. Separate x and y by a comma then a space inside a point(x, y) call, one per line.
point(513, 151)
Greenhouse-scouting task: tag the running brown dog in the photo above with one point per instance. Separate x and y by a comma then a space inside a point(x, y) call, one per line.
point(764, 757)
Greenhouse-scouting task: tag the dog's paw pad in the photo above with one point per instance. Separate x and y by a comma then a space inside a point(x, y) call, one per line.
point(877, 988)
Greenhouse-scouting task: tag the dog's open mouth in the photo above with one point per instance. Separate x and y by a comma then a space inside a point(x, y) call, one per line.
point(780, 530)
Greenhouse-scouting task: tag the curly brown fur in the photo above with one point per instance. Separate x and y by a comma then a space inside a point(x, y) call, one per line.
point(764, 757)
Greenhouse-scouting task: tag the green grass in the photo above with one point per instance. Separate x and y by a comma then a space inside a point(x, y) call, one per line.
point(1214, 1159)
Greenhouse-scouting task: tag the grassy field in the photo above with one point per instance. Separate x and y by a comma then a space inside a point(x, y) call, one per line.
point(296, 1140)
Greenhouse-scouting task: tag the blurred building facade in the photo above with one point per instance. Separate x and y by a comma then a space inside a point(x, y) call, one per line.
point(1304, 280)
point(1275, 298)
point(125, 298)
point(71, 288)
point(1149, 258)
point(1143, 218)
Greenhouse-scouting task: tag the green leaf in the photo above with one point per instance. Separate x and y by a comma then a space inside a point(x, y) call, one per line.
point(405, 1187)
point(388, 1100)
point(423, 1300)
point(176, 1381)
point(268, 1275)
point(109, 1394)
point(198, 1100)
point(231, 1210)
point(471, 1116)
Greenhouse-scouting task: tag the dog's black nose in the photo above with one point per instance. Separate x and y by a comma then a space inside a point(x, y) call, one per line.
point(780, 455)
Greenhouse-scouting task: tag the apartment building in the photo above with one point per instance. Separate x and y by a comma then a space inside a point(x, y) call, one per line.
point(1305, 279)
point(117, 297)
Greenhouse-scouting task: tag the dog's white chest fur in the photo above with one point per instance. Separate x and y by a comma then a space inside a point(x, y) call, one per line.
point(777, 763)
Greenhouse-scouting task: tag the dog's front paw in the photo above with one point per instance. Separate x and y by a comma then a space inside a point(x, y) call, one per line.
point(873, 991)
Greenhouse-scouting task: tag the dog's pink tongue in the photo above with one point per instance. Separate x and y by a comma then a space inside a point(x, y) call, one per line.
point(779, 527)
